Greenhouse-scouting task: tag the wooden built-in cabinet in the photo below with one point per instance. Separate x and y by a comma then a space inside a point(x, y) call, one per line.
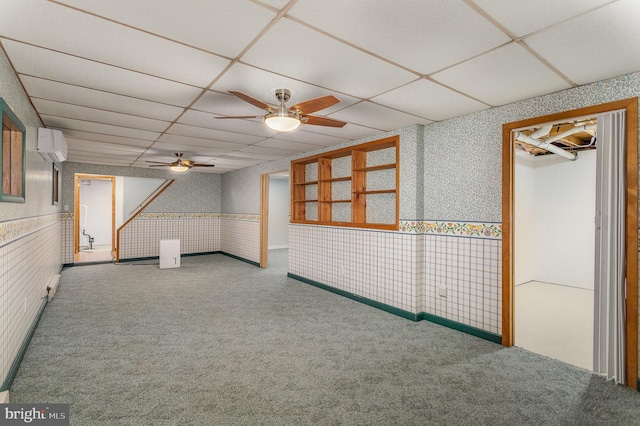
point(354, 186)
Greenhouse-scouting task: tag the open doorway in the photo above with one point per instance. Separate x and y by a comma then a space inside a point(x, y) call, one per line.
point(274, 219)
point(629, 239)
point(554, 263)
point(95, 216)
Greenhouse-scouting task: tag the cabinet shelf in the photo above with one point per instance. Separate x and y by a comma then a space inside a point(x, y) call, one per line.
point(377, 191)
point(338, 179)
point(310, 182)
point(325, 210)
point(376, 168)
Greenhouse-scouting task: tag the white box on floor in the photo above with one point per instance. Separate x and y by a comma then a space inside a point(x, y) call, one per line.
point(169, 254)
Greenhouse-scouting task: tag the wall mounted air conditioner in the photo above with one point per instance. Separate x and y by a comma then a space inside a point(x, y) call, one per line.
point(52, 144)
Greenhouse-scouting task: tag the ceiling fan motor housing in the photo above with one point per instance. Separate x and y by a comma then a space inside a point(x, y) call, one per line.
point(283, 95)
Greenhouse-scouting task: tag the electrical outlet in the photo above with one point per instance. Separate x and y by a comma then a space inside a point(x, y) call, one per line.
point(442, 291)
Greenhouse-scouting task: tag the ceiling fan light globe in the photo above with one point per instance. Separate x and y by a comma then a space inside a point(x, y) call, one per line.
point(282, 121)
point(179, 168)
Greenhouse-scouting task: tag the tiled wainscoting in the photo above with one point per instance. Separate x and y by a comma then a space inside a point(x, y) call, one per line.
point(197, 232)
point(377, 265)
point(29, 259)
point(410, 269)
point(66, 223)
point(469, 270)
point(234, 234)
point(240, 236)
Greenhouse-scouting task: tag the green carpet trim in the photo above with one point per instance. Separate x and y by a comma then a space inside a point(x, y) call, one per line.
point(8, 381)
point(383, 306)
point(251, 262)
point(486, 335)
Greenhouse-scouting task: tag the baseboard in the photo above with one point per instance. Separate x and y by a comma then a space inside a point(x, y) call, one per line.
point(8, 381)
point(486, 335)
point(137, 259)
point(251, 262)
point(278, 247)
point(379, 305)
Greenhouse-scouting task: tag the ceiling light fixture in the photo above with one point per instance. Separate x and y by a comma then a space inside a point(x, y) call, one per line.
point(180, 167)
point(282, 120)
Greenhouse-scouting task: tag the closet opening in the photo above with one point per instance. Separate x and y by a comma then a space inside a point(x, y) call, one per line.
point(619, 119)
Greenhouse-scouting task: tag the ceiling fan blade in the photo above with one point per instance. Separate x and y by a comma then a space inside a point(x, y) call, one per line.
point(241, 116)
point(159, 165)
point(313, 105)
point(253, 101)
point(203, 165)
point(322, 121)
point(156, 162)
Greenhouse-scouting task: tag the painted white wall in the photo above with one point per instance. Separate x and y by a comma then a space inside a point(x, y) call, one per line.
point(278, 212)
point(96, 218)
point(559, 245)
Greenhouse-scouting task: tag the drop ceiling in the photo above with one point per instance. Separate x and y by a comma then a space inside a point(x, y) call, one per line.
point(134, 81)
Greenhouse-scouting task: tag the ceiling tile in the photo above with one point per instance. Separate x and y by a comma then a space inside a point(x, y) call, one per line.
point(212, 134)
point(430, 100)
point(81, 72)
point(349, 132)
point(69, 31)
point(263, 85)
point(522, 17)
point(100, 159)
point(323, 61)
point(205, 119)
point(310, 138)
point(423, 35)
point(83, 148)
point(589, 48)
point(255, 156)
point(287, 145)
point(502, 76)
point(197, 23)
point(61, 92)
point(89, 145)
point(225, 104)
point(278, 4)
point(98, 116)
point(173, 145)
point(87, 126)
point(100, 137)
point(377, 116)
point(263, 150)
point(199, 142)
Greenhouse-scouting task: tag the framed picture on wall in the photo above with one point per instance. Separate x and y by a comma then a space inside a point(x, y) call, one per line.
point(55, 188)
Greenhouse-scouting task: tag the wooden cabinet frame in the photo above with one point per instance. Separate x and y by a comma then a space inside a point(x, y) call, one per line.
point(325, 180)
